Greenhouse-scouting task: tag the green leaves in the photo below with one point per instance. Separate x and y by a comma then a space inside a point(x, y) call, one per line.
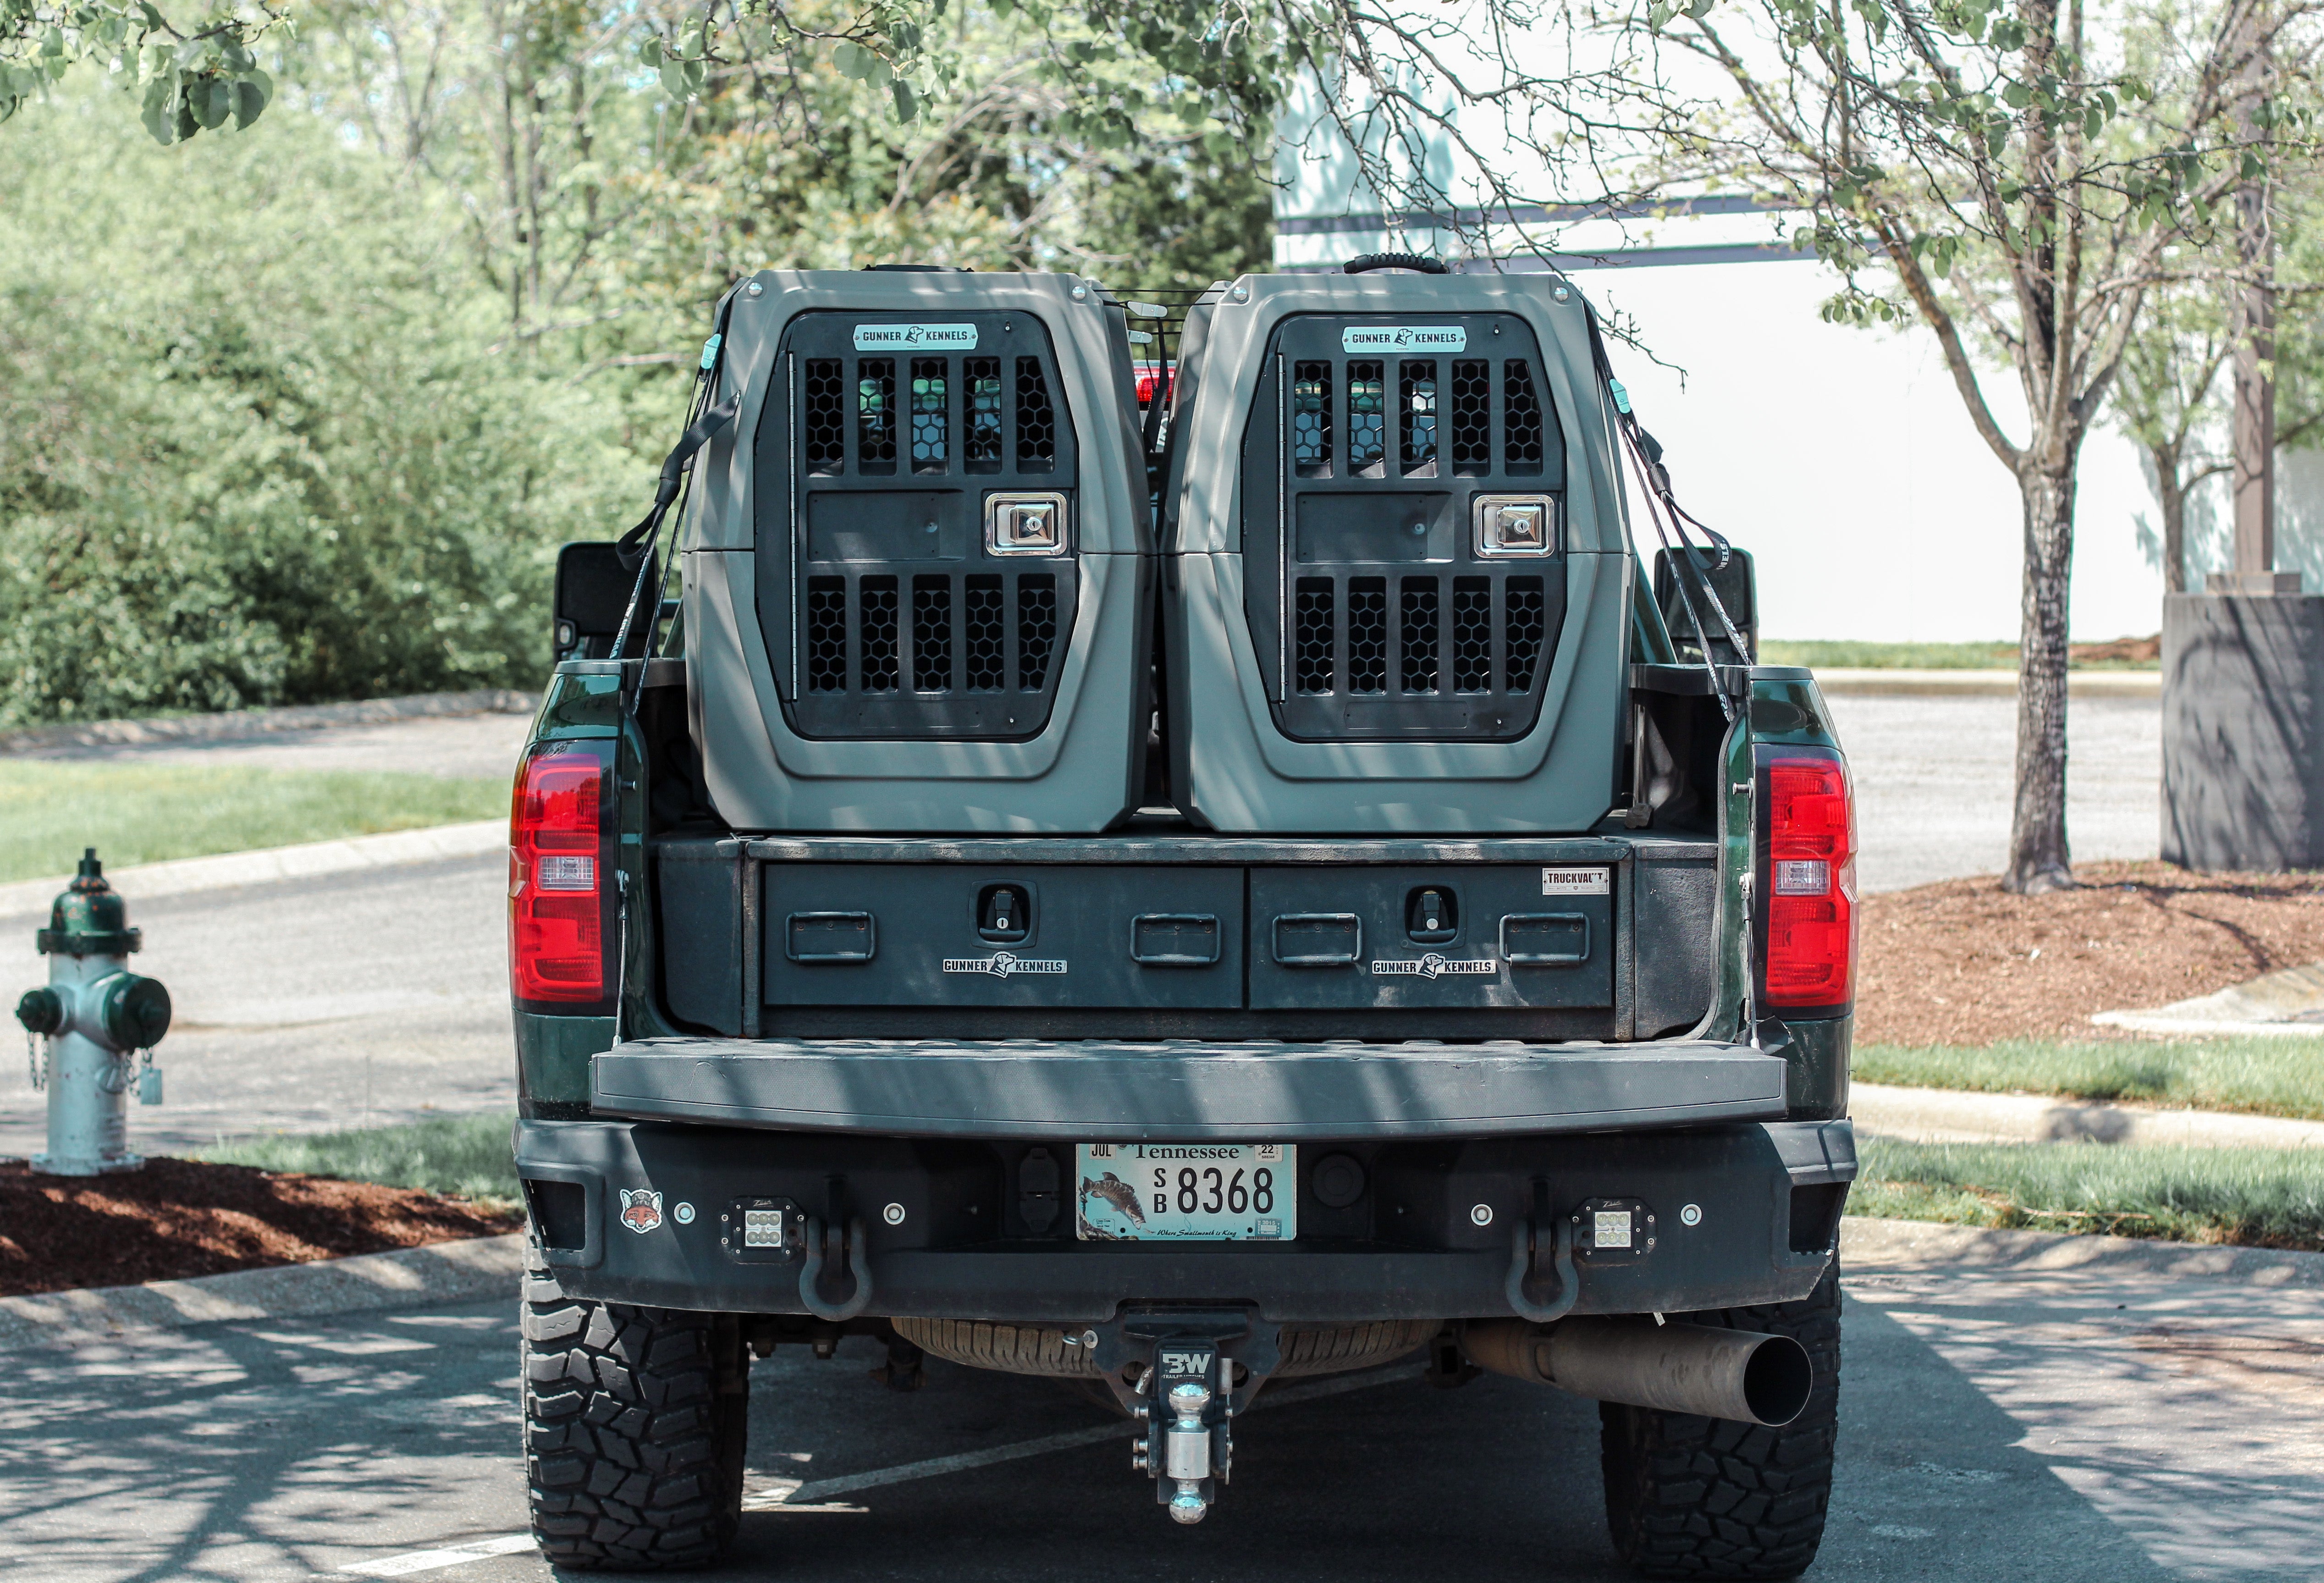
point(189, 80)
point(682, 71)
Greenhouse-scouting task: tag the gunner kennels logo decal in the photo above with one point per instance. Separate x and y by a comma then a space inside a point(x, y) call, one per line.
point(640, 1209)
point(1005, 964)
point(914, 337)
point(1434, 966)
point(1401, 338)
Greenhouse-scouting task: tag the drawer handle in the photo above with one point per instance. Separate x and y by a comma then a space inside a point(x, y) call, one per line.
point(1319, 926)
point(1538, 927)
point(830, 929)
point(1174, 928)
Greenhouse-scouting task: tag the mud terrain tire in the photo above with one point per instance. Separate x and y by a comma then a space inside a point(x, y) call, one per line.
point(1702, 1497)
point(634, 1419)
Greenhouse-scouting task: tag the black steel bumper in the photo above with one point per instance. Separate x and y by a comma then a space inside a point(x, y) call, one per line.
point(943, 1154)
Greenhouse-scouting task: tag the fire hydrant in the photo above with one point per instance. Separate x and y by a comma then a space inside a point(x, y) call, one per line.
point(98, 1021)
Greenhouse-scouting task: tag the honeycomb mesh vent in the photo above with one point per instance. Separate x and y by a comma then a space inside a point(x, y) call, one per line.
point(1368, 634)
point(877, 634)
point(1522, 632)
point(980, 446)
point(826, 634)
point(1472, 418)
point(1311, 419)
point(824, 440)
point(931, 415)
point(1311, 634)
point(1523, 420)
point(1036, 418)
point(984, 651)
point(1417, 402)
point(875, 414)
point(1036, 629)
point(1472, 634)
point(1418, 656)
point(1367, 420)
point(932, 634)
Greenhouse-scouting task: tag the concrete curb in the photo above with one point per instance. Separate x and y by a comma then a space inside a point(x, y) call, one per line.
point(257, 722)
point(1964, 1116)
point(1982, 684)
point(465, 1271)
point(1925, 1245)
point(145, 881)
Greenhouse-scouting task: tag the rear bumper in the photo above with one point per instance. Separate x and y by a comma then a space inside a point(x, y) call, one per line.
point(952, 1227)
point(1184, 1091)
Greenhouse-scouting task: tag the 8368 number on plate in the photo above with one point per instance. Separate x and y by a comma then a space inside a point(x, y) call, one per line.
point(1192, 1193)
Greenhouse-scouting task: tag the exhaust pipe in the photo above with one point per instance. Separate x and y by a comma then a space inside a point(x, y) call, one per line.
point(1738, 1374)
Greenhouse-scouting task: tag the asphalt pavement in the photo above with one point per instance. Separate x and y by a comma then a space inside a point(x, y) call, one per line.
point(1934, 777)
point(2054, 1426)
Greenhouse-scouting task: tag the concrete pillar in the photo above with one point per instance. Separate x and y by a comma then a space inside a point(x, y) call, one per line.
point(2243, 729)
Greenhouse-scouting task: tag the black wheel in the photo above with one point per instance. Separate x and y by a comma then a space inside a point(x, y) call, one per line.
point(634, 1420)
point(1703, 1498)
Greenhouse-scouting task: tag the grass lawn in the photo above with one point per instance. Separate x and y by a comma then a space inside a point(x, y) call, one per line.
point(2268, 1077)
point(2267, 1198)
point(466, 1156)
point(143, 812)
point(1846, 655)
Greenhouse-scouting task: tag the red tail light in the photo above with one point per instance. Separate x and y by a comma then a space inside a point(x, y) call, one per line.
point(1149, 381)
point(1811, 883)
point(557, 880)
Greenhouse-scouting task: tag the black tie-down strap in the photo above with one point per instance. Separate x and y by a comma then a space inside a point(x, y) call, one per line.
point(635, 548)
point(634, 545)
point(1670, 519)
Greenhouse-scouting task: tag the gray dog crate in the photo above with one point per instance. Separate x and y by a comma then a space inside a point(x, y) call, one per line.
point(1396, 578)
point(917, 566)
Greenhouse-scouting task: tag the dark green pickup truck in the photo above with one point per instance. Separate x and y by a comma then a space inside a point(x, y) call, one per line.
point(1178, 844)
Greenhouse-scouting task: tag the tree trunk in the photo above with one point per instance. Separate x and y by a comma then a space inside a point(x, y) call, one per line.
point(2172, 491)
point(2038, 859)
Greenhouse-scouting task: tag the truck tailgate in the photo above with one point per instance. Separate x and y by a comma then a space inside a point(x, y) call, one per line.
point(1184, 1089)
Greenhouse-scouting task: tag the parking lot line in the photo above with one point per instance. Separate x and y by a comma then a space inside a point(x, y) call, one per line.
point(406, 1562)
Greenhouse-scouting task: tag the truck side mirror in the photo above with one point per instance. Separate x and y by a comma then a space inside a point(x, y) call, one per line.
point(1737, 587)
point(593, 593)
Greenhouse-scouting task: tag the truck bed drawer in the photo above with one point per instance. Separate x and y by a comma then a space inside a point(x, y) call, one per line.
point(890, 934)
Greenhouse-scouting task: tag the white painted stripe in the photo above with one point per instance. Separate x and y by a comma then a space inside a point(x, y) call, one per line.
point(822, 1489)
point(404, 1564)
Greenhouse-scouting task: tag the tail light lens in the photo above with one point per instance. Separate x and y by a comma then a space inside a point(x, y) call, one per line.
point(1811, 884)
point(1151, 383)
point(557, 879)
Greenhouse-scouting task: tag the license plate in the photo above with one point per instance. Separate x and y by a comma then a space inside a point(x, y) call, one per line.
point(1186, 1193)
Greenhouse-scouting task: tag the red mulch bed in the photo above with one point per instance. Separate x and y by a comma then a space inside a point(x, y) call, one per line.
point(180, 1218)
point(1965, 962)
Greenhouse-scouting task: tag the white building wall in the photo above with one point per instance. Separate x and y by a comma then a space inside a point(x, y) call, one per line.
point(1843, 458)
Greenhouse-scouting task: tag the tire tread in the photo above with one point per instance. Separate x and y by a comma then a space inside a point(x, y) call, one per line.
point(633, 1457)
point(1702, 1497)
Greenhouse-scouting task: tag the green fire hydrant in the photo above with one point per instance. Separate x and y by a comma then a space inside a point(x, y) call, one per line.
point(99, 1022)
